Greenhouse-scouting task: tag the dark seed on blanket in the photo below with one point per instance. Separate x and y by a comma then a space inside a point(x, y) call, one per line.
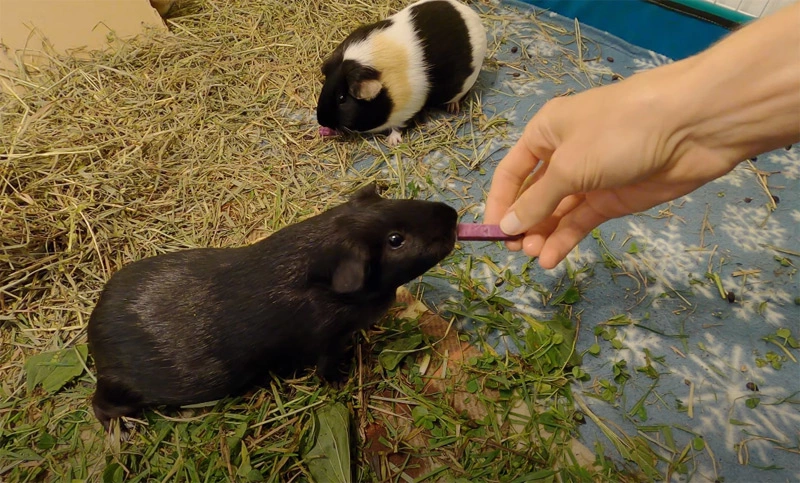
point(754, 159)
point(610, 59)
point(514, 50)
point(731, 297)
point(499, 282)
point(752, 386)
point(515, 74)
point(748, 200)
point(776, 199)
point(616, 77)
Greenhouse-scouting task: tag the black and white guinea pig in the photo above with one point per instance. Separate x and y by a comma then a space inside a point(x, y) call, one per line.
point(383, 74)
point(201, 324)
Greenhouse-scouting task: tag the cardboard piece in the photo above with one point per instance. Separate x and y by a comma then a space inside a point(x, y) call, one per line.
point(67, 27)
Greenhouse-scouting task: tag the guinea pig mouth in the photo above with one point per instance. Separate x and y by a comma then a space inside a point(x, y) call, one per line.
point(326, 131)
point(327, 123)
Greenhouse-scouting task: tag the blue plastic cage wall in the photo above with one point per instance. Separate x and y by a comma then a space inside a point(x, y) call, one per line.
point(675, 28)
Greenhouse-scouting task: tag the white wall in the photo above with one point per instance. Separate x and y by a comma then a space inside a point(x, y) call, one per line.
point(755, 8)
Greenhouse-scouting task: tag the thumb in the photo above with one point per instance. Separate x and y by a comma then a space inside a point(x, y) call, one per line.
point(540, 199)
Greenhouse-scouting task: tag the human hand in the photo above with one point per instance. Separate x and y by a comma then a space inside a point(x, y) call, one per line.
point(600, 154)
point(656, 136)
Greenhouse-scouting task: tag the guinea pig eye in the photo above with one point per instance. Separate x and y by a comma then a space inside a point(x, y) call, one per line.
point(396, 240)
point(342, 97)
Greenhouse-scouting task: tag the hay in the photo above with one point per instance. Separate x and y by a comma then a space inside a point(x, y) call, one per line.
point(201, 136)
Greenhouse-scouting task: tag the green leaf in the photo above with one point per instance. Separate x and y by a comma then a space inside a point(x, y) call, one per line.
point(46, 441)
point(54, 369)
point(784, 333)
point(255, 475)
point(113, 473)
point(641, 412)
point(26, 454)
point(620, 319)
point(609, 334)
point(328, 457)
point(419, 413)
point(752, 402)
point(244, 468)
point(236, 438)
point(394, 353)
point(594, 349)
point(473, 386)
point(563, 350)
point(649, 371)
point(698, 444)
point(569, 297)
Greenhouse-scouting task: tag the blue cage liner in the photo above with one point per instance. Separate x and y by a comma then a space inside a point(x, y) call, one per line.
point(673, 28)
point(717, 346)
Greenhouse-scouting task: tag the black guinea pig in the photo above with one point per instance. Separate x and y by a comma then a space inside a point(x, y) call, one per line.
point(383, 74)
point(197, 325)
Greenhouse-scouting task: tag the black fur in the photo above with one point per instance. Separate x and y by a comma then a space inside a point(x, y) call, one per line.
point(446, 48)
point(198, 325)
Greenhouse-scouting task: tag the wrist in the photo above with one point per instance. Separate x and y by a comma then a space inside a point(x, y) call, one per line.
point(741, 97)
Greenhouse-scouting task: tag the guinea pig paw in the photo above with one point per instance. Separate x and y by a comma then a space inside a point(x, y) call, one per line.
point(335, 374)
point(394, 138)
point(119, 431)
point(453, 107)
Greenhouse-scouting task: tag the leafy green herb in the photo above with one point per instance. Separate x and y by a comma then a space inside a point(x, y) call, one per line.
point(54, 369)
point(327, 454)
point(568, 297)
point(395, 352)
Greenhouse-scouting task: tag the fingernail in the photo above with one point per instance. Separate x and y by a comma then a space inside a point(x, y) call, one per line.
point(510, 224)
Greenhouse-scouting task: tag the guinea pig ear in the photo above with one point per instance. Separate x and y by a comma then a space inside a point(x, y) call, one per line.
point(367, 193)
point(342, 269)
point(350, 272)
point(331, 62)
point(366, 90)
point(363, 83)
